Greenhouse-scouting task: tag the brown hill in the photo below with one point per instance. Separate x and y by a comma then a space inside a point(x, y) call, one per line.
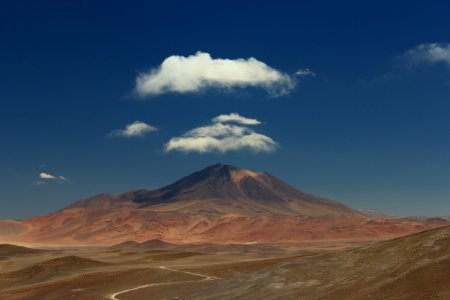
point(14, 250)
point(47, 270)
point(412, 267)
point(147, 245)
point(12, 229)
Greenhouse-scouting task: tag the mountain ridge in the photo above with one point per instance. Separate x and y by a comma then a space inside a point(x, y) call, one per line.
point(219, 204)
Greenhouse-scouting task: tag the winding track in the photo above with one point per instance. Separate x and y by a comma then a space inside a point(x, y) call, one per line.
point(205, 278)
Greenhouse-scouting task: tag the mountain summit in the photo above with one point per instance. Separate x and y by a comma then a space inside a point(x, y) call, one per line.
point(224, 189)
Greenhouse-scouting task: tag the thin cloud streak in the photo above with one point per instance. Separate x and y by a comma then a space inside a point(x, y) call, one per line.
point(235, 117)
point(135, 129)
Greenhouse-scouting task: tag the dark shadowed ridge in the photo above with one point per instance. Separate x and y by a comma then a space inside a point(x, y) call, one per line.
point(13, 250)
point(150, 244)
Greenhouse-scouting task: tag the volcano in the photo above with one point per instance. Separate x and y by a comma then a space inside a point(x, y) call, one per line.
point(223, 189)
point(219, 204)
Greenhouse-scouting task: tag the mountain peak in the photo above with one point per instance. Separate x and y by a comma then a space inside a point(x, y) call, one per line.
point(219, 171)
point(234, 173)
point(219, 168)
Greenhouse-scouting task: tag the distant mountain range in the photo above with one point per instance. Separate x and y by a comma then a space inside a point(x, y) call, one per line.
point(219, 204)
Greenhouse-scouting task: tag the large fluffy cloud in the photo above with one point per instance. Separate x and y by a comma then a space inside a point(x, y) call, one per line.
point(432, 53)
point(221, 136)
point(193, 73)
point(136, 129)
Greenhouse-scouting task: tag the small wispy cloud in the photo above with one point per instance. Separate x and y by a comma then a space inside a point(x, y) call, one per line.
point(305, 72)
point(221, 136)
point(421, 55)
point(191, 74)
point(235, 117)
point(136, 129)
point(429, 53)
point(44, 178)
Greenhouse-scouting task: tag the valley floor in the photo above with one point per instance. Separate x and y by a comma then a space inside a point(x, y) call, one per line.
point(411, 267)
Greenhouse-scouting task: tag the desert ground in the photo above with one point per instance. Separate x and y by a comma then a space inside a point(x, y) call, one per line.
point(411, 267)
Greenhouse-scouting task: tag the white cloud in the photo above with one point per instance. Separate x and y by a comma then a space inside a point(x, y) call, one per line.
point(432, 53)
point(305, 72)
point(46, 176)
point(220, 136)
point(235, 117)
point(136, 129)
point(196, 72)
point(49, 177)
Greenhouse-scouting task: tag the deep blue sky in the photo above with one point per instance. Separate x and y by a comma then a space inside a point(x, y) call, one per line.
point(370, 130)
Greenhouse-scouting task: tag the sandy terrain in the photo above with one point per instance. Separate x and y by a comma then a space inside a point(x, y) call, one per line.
point(411, 267)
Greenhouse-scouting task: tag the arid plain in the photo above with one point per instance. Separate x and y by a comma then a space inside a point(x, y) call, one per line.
point(412, 267)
